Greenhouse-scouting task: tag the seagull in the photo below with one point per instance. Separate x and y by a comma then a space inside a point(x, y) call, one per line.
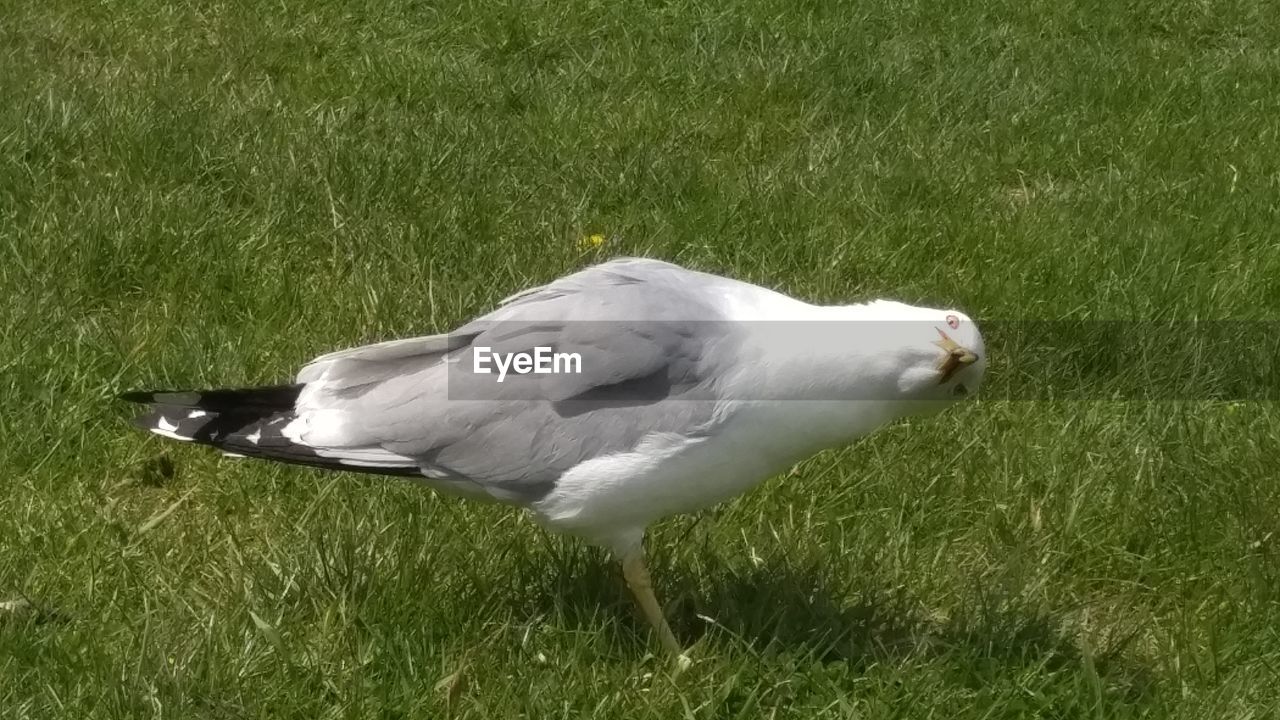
point(603, 401)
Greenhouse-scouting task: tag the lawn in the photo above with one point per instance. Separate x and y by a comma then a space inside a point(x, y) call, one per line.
point(212, 193)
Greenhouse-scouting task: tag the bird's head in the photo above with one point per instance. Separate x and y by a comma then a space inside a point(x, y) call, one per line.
point(942, 353)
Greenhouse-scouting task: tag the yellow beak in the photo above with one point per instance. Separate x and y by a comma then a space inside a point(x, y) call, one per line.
point(956, 357)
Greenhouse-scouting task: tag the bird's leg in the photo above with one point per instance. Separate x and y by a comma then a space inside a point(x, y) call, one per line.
point(637, 575)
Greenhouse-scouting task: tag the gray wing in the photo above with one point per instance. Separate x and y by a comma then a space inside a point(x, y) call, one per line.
point(654, 352)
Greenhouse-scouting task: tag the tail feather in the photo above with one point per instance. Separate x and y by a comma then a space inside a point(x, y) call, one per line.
point(250, 422)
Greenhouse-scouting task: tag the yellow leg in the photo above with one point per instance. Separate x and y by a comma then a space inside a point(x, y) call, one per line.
point(637, 575)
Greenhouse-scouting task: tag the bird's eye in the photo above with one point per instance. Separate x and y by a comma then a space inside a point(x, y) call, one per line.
point(960, 390)
point(953, 321)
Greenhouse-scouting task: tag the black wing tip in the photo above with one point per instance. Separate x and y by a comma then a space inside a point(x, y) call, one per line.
point(265, 397)
point(185, 398)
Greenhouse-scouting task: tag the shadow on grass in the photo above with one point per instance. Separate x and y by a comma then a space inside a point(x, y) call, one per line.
point(785, 611)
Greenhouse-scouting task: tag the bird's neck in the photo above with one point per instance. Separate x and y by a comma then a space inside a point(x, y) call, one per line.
point(817, 353)
point(828, 374)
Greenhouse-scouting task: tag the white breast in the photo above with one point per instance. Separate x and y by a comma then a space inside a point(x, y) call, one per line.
point(620, 494)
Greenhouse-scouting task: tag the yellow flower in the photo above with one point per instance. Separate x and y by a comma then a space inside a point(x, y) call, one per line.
point(591, 241)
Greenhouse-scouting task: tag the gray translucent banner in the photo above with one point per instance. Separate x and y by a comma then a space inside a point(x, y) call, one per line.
point(646, 361)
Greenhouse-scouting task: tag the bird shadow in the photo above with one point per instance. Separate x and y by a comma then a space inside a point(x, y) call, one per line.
point(780, 610)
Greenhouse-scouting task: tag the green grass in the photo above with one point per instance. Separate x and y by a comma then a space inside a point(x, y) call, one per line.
point(212, 193)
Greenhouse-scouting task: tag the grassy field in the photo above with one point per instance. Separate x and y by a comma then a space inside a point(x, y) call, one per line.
point(212, 193)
